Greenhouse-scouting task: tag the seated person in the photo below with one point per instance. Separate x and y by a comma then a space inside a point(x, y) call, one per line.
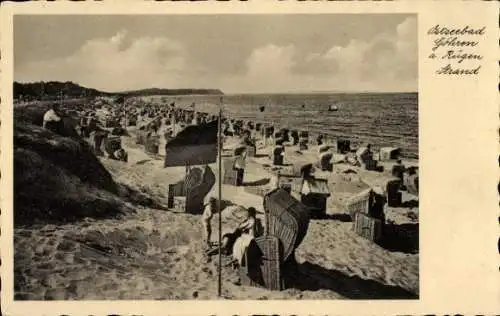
point(239, 240)
point(398, 170)
point(52, 118)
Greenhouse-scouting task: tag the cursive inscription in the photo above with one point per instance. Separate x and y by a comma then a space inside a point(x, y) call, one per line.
point(454, 48)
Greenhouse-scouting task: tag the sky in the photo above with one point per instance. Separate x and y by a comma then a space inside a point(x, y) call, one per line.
point(234, 53)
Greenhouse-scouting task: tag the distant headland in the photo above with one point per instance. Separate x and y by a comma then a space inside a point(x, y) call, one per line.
point(54, 89)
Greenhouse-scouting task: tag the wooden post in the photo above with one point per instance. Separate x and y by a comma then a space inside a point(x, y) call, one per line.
point(219, 156)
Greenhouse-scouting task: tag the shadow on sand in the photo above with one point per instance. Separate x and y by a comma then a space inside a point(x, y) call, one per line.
point(138, 198)
point(401, 238)
point(225, 204)
point(313, 277)
point(397, 238)
point(257, 183)
point(260, 156)
point(410, 204)
point(337, 217)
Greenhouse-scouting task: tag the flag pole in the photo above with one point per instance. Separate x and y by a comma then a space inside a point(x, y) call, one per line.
point(219, 154)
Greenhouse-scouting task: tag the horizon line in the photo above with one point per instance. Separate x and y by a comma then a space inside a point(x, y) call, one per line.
point(223, 93)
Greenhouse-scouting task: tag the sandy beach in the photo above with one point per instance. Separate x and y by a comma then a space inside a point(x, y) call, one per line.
point(150, 252)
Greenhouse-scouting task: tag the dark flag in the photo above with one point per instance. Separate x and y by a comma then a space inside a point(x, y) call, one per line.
point(194, 145)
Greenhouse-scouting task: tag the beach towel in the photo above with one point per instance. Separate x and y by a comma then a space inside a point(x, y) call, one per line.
point(240, 247)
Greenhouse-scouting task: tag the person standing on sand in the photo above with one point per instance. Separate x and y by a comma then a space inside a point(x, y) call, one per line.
point(206, 219)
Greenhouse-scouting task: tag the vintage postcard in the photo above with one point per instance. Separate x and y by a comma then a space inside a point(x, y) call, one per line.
point(193, 159)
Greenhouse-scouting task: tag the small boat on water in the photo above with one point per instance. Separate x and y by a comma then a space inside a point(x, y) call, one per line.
point(333, 108)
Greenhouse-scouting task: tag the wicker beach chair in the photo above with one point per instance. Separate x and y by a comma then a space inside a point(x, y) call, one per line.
point(294, 134)
point(287, 219)
point(141, 136)
point(151, 144)
point(111, 122)
point(294, 170)
point(411, 183)
point(278, 155)
point(190, 192)
point(263, 264)
point(303, 144)
point(232, 176)
point(304, 134)
point(394, 196)
point(112, 144)
point(325, 161)
point(314, 196)
point(389, 153)
point(291, 184)
point(285, 134)
point(398, 171)
point(343, 146)
point(359, 203)
point(368, 227)
point(269, 262)
point(96, 141)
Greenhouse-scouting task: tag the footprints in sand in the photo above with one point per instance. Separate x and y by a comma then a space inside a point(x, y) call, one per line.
point(105, 257)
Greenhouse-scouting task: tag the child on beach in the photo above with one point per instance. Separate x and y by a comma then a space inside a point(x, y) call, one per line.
point(206, 219)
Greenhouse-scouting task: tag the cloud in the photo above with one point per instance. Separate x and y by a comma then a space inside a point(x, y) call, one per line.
point(116, 63)
point(387, 62)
